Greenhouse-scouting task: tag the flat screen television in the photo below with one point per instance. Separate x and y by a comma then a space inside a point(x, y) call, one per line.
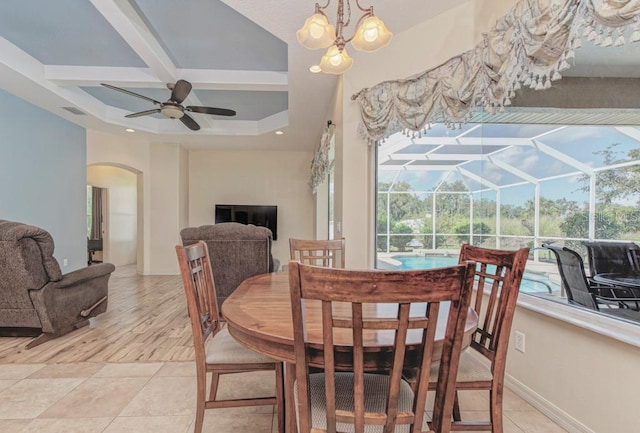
point(266, 216)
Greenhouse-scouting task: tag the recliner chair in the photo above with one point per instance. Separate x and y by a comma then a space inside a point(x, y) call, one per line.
point(34, 294)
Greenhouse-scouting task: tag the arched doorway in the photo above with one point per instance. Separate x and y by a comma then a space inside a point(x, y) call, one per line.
point(122, 213)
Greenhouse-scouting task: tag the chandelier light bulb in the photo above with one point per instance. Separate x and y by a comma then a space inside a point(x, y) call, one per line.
point(371, 35)
point(316, 32)
point(335, 61)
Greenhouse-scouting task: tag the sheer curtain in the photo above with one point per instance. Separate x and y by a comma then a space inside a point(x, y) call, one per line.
point(529, 47)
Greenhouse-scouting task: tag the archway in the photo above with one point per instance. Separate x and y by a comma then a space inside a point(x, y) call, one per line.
point(122, 217)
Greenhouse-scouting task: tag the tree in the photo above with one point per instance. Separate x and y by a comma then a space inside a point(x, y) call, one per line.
point(403, 204)
point(400, 242)
point(478, 229)
point(577, 226)
point(619, 183)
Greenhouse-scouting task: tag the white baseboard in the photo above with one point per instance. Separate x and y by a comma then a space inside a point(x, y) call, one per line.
point(559, 416)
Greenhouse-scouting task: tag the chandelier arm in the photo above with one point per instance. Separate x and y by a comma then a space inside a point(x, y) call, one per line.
point(369, 9)
point(322, 8)
point(368, 13)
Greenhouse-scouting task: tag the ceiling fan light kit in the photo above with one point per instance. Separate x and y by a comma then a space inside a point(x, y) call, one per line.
point(317, 32)
point(172, 111)
point(173, 108)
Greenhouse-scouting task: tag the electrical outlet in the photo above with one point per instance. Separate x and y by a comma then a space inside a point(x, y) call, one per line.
point(520, 341)
point(65, 262)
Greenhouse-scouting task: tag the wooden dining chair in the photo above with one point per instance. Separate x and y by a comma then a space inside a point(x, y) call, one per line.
point(498, 277)
point(216, 352)
point(359, 400)
point(499, 274)
point(326, 253)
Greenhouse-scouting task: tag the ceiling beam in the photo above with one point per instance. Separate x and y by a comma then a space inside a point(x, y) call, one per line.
point(513, 170)
point(563, 157)
point(214, 79)
point(126, 21)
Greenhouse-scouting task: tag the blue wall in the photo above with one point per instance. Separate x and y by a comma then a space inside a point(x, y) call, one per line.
point(43, 176)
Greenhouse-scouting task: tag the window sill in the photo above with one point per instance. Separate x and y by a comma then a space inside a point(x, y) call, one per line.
point(620, 330)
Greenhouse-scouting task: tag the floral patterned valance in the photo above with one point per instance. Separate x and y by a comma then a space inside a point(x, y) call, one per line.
point(529, 47)
point(322, 164)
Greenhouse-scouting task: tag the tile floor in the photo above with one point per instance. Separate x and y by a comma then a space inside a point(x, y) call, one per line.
point(160, 398)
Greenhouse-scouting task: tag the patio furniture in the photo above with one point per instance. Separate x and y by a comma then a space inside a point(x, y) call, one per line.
point(237, 251)
point(327, 253)
point(359, 401)
point(612, 257)
point(580, 292)
point(216, 352)
point(35, 297)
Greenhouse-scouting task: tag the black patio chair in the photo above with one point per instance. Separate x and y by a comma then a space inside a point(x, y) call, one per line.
point(580, 292)
point(612, 257)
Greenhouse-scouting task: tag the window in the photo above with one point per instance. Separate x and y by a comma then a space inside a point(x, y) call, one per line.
point(507, 186)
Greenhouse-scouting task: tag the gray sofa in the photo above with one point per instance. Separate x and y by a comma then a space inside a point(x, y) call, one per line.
point(33, 292)
point(237, 251)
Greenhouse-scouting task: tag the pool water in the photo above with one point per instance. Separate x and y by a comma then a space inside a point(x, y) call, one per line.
point(531, 282)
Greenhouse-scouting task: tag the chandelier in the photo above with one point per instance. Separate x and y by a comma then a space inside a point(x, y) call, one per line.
point(370, 35)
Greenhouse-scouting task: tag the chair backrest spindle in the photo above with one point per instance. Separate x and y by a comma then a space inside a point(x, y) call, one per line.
point(326, 253)
point(503, 270)
point(346, 297)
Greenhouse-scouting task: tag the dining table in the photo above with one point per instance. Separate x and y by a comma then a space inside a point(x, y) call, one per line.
point(258, 315)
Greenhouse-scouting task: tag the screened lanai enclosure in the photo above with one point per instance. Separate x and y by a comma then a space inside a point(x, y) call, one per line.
point(507, 186)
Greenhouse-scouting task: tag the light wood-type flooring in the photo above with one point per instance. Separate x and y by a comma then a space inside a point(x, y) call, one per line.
point(146, 320)
point(113, 376)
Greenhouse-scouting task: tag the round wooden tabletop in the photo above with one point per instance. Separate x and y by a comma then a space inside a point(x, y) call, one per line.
point(258, 314)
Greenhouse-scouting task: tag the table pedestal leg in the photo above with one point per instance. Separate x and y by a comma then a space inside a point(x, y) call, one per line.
point(290, 403)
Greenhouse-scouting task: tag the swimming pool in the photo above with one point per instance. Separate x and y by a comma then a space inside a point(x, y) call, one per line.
point(532, 282)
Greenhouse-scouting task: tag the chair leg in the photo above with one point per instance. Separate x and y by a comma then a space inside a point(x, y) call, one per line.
point(456, 408)
point(215, 379)
point(290, 405)
point(495, 409)
point(280, 397)
point(201, 397)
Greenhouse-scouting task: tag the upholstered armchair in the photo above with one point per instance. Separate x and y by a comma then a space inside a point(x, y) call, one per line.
point(35, 294)
point(237, 251)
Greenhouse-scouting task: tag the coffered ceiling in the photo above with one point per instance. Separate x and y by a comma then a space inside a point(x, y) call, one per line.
point(238, 54)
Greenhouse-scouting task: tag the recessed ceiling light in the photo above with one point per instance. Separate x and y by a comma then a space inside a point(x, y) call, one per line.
point(279, 132)
point(315, 69)
point(130, 130)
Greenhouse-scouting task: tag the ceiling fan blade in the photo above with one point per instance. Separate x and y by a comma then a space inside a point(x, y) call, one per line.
point(180, 91)
point(189, 122)
point(137, 95)
point(143, 113)
point(211, 110)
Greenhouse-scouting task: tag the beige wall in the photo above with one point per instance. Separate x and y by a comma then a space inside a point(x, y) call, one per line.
point(132, 154)
point(586, 380)
point(120, 245)
point(254, 177)
point(166, 208)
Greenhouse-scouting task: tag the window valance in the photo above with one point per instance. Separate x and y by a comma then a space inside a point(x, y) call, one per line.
point(322, 162)
point(529, 46)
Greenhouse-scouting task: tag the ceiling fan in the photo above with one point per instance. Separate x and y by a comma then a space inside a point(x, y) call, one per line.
point(173, 108)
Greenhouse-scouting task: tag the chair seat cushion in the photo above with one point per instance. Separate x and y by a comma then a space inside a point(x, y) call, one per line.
point(375, 386)
point(470, 369)
point(224, 349)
